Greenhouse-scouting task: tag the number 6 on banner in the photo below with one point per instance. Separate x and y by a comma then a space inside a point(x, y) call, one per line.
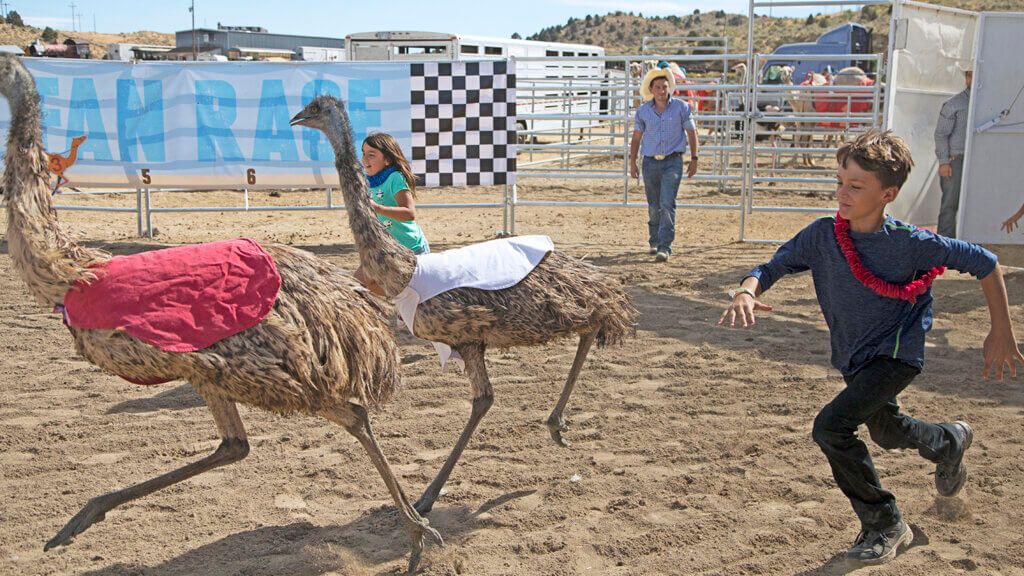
point(250, 175)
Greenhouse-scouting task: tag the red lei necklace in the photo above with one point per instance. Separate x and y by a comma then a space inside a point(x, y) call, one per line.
point(908, 292)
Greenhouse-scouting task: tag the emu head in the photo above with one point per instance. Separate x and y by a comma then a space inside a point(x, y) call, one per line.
point(322, 113)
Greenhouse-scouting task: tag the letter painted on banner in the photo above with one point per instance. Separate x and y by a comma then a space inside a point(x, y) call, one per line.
point(51, 116)
point(362, 119)
point(84, 117)
point(138, 122)
point(274, 135)
point(215, 113)
point(314, 144)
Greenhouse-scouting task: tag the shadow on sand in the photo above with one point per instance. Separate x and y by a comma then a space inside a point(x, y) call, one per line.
point(301, 549)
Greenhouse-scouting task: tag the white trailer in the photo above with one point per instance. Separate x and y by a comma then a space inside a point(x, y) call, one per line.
point(127, 52)
point(320, 54)
point(565, 64)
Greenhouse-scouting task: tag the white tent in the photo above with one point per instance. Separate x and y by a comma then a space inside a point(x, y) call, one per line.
point(993, 184)
point(928, 41)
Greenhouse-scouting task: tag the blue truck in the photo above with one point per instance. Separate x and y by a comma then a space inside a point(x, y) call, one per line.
point(850, 38)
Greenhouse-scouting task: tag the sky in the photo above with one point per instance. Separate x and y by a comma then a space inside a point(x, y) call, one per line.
point(338, 18)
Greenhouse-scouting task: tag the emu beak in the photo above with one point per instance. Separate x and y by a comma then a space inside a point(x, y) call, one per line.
point(299, 119)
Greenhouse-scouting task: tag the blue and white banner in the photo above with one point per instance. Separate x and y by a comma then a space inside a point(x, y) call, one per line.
point(209, 125)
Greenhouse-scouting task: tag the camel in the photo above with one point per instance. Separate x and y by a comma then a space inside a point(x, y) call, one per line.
point(560, 297)
point(325, 348)
point(58, 163)
point(849, 76)
point(802, 104)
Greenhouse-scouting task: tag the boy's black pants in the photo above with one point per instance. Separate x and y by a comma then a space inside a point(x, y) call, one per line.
point(870, 398)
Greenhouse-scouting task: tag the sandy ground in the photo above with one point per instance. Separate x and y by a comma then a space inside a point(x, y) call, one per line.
point(691, 450)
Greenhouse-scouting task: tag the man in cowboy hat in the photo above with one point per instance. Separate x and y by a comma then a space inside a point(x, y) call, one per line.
point(950, 142)
point(658, 132)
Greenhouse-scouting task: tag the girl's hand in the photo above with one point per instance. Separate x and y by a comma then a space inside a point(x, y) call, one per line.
point(1010, 224)
point(1000, 349)
point(375, 206)
point(742, 305)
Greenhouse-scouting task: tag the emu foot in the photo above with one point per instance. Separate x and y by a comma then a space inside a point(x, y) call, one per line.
point(419, 529)
point(556, 425)
point(93, 511)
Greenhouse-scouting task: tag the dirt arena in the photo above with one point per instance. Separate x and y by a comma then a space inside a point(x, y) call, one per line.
point(691, 450)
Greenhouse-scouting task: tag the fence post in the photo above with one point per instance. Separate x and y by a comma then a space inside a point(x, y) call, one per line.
point(149, 216)
point(138, 210)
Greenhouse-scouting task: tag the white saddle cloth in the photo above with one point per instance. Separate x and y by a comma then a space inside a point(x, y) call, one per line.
point(492, 265)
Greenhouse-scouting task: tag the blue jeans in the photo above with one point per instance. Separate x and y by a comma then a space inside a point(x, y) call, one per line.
point(424, 249)
point(950, 198)
point(870, 398)
point(661, 183)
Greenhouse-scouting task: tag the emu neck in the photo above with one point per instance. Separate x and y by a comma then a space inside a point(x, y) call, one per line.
point(42, 252)
point(382, 257)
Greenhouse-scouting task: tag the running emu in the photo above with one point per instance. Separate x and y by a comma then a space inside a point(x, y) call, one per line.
point(560, 297)
point(326, 348)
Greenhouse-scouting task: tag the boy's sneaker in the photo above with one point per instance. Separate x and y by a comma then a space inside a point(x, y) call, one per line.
point(661, 257)
point(951, 475)
point(878, 547)
point(652, 250)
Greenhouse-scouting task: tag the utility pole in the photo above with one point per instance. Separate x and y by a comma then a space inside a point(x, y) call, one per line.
point(3, 8)
point(192, 9)
point(72, 15)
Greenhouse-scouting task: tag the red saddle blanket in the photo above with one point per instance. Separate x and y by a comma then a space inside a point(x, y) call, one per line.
point(179, 299)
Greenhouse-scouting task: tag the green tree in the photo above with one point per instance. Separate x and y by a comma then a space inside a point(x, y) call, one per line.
point(516, 36)
point(869, 12)
point(49, 35)
point(810, 20)
point(14, 19)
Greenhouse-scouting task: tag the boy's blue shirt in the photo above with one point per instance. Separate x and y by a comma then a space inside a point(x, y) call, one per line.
point(863, 324)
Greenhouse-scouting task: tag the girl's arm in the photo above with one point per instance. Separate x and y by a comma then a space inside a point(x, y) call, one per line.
point(1000, 345)
point(1011, 223)
point(404, 212)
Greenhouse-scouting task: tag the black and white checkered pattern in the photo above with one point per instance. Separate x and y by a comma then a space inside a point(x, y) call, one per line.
point(463, 123)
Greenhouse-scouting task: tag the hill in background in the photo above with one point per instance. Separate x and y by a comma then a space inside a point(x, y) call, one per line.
point(22, 36)
point(623, 32)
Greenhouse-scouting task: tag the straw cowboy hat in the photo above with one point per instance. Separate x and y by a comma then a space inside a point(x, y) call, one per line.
point(645, 86)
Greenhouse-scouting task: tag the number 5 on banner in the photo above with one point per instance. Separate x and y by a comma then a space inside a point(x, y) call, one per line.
point(145, 176)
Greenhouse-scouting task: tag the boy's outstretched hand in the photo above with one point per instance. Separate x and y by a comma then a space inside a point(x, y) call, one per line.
point(743, 306)
point(1000, 349)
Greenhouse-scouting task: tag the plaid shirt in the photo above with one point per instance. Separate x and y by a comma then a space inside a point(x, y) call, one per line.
point(663, 133)
point(951, 128)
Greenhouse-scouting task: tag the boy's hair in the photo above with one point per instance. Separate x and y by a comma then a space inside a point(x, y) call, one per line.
point(387, 145)
point(883, 154)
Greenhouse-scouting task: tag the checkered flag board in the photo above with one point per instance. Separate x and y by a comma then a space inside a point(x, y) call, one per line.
point(463, 123)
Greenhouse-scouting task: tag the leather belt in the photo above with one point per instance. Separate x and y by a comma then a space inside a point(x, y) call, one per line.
point(956, 156)
point(663, 156)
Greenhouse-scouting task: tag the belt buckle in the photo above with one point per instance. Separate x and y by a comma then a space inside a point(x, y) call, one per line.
point(659, 156)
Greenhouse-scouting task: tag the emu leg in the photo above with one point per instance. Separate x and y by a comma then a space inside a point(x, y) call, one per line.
point(355, 419)
point(483, 397)
point(556, 424)
point(233, 447)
